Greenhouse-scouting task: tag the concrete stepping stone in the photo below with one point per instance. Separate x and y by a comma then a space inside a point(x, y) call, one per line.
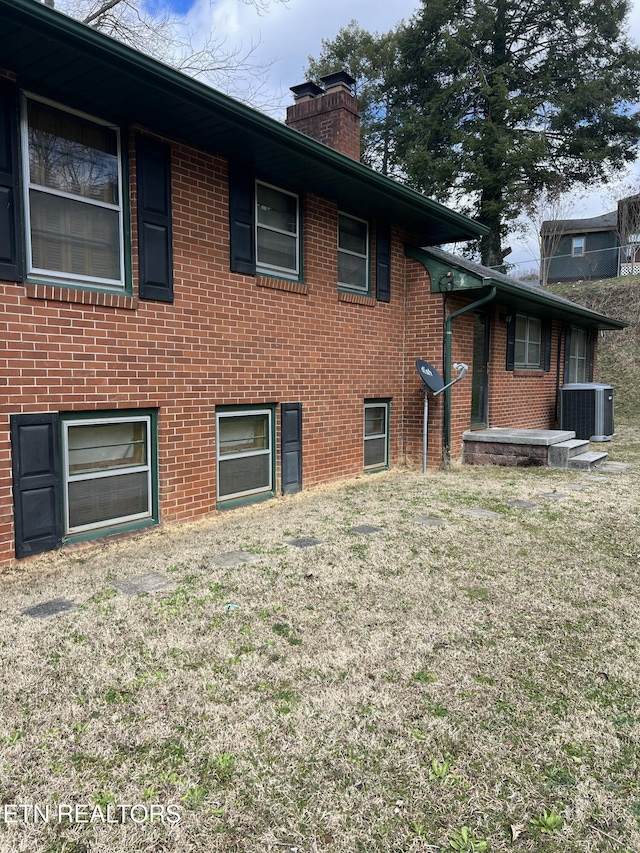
point(430, 521)
point(365, 529)
point(597, 478)
point(518, 504)
point(479, 512)
point(576, 487)
point(553, 495)
point(234, 558)
point(49, 608)
point(141, 584)
point(305, 542)
point(614, 467)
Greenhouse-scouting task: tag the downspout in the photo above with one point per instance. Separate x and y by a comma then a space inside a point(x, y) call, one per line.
point(447, 369)
point(562, 336)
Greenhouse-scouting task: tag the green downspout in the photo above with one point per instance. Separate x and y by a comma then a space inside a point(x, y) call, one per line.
point(447, 368)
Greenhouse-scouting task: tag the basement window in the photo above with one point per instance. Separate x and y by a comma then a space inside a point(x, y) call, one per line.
point(245, 456)
point(376, 435)
point(107, 464)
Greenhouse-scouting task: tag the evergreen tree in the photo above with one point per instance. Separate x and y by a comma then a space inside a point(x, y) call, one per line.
point(496, 101)
point(370, 58)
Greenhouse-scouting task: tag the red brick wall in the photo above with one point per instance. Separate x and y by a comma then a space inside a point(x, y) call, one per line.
point(227, 339)
point(523, 399)
point(233, 339)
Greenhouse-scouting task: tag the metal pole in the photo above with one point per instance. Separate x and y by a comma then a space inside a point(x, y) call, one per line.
point(425, 436)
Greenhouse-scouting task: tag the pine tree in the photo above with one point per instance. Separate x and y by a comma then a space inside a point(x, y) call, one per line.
point(496, 101)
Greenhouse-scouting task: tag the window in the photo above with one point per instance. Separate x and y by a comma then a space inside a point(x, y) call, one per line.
point(107, 469)
point(577, 361)
point(244, 453)
point(353, 253)
point(73, 196)
point(81, 475)
point(528, 343)
point(376, 435)
point(277, 232)
point(577, 246)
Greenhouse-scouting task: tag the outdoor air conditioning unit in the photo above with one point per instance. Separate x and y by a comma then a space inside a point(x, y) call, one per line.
point(587, 408)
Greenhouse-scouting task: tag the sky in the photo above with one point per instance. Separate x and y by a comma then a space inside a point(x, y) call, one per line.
point(287, 33)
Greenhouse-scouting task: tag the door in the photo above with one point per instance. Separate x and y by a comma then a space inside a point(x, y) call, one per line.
point(480, 375)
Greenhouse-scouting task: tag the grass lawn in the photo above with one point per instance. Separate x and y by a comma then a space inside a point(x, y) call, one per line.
point(471, 686)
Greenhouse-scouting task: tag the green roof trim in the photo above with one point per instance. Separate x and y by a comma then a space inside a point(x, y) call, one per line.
point(452, 274)
point(58, 57)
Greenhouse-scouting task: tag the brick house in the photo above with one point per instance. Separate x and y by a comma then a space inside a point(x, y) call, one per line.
point(202, 306)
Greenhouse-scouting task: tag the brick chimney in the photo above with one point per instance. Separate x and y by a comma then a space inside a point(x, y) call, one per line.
point(330, 115)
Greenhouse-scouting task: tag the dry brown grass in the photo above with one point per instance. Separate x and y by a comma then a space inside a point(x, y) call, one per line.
point(374, 693)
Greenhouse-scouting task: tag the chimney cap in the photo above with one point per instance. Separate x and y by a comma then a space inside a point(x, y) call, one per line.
point(306, 90)
point(338, 78)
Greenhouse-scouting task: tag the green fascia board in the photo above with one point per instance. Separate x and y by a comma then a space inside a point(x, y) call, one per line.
point(449, 276)
point(58, 57)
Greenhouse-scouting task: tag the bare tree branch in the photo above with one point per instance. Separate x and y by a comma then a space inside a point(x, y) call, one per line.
point(169, 37)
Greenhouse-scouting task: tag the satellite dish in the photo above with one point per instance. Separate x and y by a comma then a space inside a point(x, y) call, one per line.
point(429, 376)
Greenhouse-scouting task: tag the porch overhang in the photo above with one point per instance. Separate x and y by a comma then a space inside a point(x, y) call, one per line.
point(450, 274)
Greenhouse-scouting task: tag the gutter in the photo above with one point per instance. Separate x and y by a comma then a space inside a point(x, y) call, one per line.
point(51, 24)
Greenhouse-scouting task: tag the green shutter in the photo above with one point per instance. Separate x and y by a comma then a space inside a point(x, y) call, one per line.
point(511, 343)
point(242, 221)
point(567, 353)
point(153, 163)
point(547, 329)
point(383, 263)
point(10, 242)
point(291, 442)
point(36, 483)
point(591, 353)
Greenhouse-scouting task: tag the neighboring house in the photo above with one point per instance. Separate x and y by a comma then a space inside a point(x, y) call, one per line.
point(203, 307)
point(591, 249)
point(580, 249)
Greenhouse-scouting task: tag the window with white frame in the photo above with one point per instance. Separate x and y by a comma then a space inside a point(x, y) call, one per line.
point(277, 232)
point(353, 253)
point(73, 196)
point(577, 362)
point(244, 453)
point(528, 343)
point(376, 435)
point(577, 246)
point(107, 471)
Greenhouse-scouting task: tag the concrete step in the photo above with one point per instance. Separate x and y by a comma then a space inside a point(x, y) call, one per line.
point(587, 461)
point(563, 451)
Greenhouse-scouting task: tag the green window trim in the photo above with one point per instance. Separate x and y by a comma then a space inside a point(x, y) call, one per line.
point(107, 467)
point(354, 254)
point(278, 232)
point(376, 434)
point(577, 361)
point(43, 185)
point(245, 454)
point(528, 343)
